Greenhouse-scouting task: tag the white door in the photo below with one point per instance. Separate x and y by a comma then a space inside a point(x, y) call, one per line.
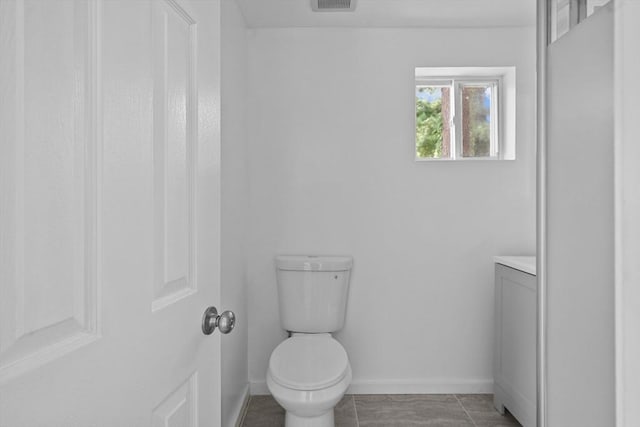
point(109, 216)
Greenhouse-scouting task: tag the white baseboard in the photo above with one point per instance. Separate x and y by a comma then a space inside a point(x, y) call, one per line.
point(235, 420)
point(404, 387)
point(460, 386)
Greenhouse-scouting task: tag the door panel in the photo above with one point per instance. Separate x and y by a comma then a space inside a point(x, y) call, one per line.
point(109, 162)
point(175, 92)
point(179, 408)
point(48, 268)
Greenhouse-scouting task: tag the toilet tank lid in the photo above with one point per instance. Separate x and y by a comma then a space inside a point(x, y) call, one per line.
point(313, 263)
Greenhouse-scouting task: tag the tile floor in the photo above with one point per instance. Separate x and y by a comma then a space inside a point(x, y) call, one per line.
point(435, 410)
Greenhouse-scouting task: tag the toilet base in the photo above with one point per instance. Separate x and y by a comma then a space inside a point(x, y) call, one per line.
point(309, 408)
point(324, 420)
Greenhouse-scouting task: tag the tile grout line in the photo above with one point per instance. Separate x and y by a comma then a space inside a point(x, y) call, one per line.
point(465, 410)
point(355, 409)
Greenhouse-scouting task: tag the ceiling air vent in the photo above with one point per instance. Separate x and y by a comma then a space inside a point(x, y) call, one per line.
point(333, 5)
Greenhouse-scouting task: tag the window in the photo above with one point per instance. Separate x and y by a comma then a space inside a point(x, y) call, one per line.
point(458, 116)
point(566, 14)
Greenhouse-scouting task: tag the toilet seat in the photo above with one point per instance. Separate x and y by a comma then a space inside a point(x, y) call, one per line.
point(308, 362)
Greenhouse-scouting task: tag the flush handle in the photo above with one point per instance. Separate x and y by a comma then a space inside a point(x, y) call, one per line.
point(225, 322)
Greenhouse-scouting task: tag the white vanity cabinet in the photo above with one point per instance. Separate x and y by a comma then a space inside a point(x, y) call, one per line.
point(515, 338)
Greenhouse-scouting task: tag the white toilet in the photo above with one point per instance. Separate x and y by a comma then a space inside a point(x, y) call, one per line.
point(310, 372)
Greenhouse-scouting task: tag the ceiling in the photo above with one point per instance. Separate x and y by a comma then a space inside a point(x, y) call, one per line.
point(393, 13)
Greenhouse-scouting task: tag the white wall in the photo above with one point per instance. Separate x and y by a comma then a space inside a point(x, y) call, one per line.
point(331, 149)
point(234, 203)
point(627, 151)
point(580, 226)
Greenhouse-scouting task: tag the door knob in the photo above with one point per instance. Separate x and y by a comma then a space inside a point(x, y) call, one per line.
point(211, 320)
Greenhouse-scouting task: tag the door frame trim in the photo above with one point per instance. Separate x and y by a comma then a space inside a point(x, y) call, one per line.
point(542, 30)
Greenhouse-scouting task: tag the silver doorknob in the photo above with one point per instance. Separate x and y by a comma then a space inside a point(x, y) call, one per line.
point(211, 320)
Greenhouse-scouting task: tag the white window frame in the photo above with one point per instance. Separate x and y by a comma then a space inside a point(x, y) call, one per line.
point(502, 131)
point(455, 125)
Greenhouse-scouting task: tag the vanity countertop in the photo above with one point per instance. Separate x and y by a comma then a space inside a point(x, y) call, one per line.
point(522, 263)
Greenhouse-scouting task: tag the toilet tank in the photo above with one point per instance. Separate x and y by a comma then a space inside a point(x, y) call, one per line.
point(313, 292)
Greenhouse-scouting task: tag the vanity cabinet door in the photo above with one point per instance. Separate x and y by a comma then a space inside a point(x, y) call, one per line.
point(515, 344)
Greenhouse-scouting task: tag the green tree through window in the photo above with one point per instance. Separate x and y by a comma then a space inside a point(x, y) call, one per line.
point(429, 122)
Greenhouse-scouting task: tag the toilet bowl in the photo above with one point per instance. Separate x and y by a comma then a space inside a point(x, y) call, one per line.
point(308, 375)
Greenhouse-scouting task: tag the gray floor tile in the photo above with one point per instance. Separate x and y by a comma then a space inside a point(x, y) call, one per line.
point(394, 411)
point(410, 410)
point(480, 408)
point(263, 411)
point(345, 412)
